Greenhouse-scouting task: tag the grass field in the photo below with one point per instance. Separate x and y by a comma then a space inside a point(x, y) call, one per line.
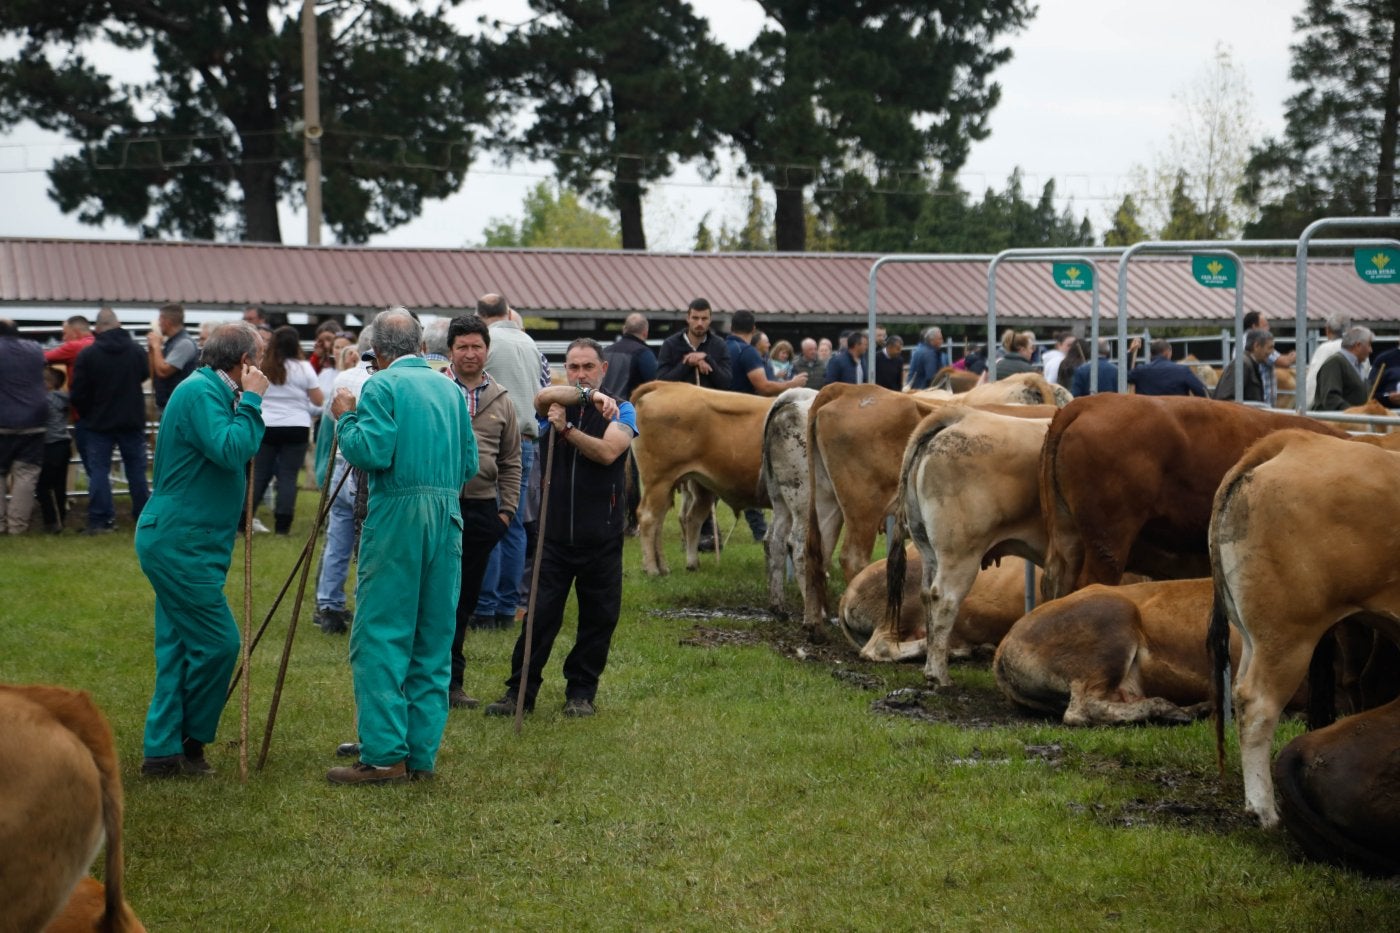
point(720, 788)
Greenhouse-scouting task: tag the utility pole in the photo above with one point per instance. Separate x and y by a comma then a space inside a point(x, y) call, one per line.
point(311, 130)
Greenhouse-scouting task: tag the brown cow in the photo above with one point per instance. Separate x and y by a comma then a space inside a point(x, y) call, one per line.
point(1338, 791)
point(1295, 548)
point(1127, 482)
point(1113, 654)
point(997, 599)
point(712, 439)
point(855, 443)
point(60, 795)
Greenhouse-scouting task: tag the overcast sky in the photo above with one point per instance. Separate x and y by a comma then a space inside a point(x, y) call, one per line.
point(1087, 95)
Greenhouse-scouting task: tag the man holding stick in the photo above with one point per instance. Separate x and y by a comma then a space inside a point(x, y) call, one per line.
point(411, 434)
point(581, 530)
point(211, 429)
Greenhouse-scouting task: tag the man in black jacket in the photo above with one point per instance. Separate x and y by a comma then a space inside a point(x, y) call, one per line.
point(695, 355)
point(630, 363)
point(107, 394)
point(582, 547)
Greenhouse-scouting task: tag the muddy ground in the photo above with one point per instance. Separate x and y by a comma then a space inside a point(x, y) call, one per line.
point(1188, 799)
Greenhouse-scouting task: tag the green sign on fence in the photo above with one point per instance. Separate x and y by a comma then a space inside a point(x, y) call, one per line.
point(1378, 266)
point(1214, 271)
point(1073, 276)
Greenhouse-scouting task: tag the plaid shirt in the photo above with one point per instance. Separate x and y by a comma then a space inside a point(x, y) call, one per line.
point(473, 396)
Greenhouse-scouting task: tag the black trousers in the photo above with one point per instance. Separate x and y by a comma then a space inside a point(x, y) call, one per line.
point(481, 529)
point(595, 574)
point(53, 482)
point(280, 455)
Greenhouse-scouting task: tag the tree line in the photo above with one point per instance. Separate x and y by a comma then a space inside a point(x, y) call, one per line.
point(855, 114)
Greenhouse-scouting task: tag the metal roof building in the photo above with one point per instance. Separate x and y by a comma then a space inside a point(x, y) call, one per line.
point(589, 285)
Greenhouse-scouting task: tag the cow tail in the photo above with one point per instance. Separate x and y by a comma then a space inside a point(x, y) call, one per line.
point(1218, 648)
point(896, 567)
point(1322, 682)
point(1050, 498)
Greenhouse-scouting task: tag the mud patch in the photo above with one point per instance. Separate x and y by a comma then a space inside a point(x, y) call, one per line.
point(1178, 798)
point(963, 705)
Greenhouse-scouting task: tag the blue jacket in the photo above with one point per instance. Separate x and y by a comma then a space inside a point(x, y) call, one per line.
point(842, 368)
point(1164, 377)
point(925, 364)
point(1108, 378)
point(24, 398)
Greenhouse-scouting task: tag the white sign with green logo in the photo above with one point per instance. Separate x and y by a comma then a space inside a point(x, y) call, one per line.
point(1378, 266)
point(1214, 271)
point(1073, 276)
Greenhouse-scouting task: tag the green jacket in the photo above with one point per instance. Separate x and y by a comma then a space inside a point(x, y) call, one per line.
point(202, 453)
point(410, 433)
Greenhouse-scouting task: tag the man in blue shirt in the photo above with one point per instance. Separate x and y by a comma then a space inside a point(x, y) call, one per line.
point(1164, 377)
point(749, 373)
point(929, 357)
point(849, 364)
point(1108, 373)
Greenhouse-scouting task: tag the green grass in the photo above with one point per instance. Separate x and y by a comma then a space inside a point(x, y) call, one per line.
point(717, 789)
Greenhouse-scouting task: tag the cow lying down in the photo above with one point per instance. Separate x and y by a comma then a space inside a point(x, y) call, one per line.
point(996, 601)
point(1338, 790)
point(1114, 654)
point(60, 796)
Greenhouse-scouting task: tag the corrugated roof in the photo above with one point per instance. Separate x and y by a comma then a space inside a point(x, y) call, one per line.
point(610, 284)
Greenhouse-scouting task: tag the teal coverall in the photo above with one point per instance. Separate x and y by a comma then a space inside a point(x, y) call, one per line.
point(184, 540)
point(412, 436)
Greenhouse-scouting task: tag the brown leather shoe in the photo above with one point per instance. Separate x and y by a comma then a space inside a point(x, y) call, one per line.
point(361, 773)
point(457, 698)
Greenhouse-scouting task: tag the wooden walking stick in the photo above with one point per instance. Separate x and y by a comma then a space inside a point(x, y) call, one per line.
point(534, 584)
point(1376, 383)
point(296, 607)
point(714, 512)
point(286, 585)
point(247, 627)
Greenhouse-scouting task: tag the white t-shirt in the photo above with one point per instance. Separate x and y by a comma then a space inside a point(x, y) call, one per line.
point(289, 405)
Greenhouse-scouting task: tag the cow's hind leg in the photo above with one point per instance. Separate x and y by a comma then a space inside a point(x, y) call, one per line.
point(775, 549)
point(1088, 707)
point(946, 586)
point(1260, 695)
point(651, 522)
point(696, 502)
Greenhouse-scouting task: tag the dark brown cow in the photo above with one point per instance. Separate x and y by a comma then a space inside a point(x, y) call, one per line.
point(1339, 790)
point(60, 796)
point(1127, 483)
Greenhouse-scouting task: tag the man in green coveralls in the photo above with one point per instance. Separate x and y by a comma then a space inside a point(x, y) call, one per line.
point(211, 428)
point(411, 434)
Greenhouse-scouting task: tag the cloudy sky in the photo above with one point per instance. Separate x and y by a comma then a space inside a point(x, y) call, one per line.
point(1092, 90)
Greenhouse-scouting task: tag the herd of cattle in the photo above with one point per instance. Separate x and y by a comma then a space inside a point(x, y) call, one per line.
point(1178, 540)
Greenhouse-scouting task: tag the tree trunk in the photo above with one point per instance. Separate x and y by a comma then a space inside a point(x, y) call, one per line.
point(1385, 170)
point(259, 183)
point(627, 192)
point(790, 221)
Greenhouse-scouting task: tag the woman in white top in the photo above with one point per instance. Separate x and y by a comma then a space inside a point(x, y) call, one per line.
point(293, 394)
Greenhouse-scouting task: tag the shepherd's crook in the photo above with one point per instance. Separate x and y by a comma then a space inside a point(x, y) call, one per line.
point(296, 606)
point(534, 584)
point(247, 627)
point(714, 513)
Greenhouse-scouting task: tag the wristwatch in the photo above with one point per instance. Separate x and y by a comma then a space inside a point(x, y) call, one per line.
point(568, 429)
point(585, 395)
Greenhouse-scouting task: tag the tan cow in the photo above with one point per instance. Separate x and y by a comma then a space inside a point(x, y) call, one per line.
point(784, 475)
point(968, 495)
point(997, 599)
point(1113, 654)
point(60, 796)
point(711, 439)
point(1295, 548)
point(855, 443)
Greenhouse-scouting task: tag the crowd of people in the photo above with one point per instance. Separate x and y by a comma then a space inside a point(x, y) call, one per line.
point(434, 442)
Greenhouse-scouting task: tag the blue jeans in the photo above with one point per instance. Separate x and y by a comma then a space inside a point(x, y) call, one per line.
point(500, 587)
point(132, 444)
point(340, 543)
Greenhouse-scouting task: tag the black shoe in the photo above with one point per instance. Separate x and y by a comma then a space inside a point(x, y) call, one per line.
point(99, 529)
point(457, 698)
point(421, 774)
point(578, 707)
point(332, 621)
point(195, 762)
point(707, 544)
point(347, 750)
point(481, 622)
point(505, 706)
point(163, 766)
point(504, 622)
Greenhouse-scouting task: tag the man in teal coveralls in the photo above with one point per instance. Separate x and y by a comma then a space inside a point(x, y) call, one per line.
point(211, 428)
point(411, 434)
